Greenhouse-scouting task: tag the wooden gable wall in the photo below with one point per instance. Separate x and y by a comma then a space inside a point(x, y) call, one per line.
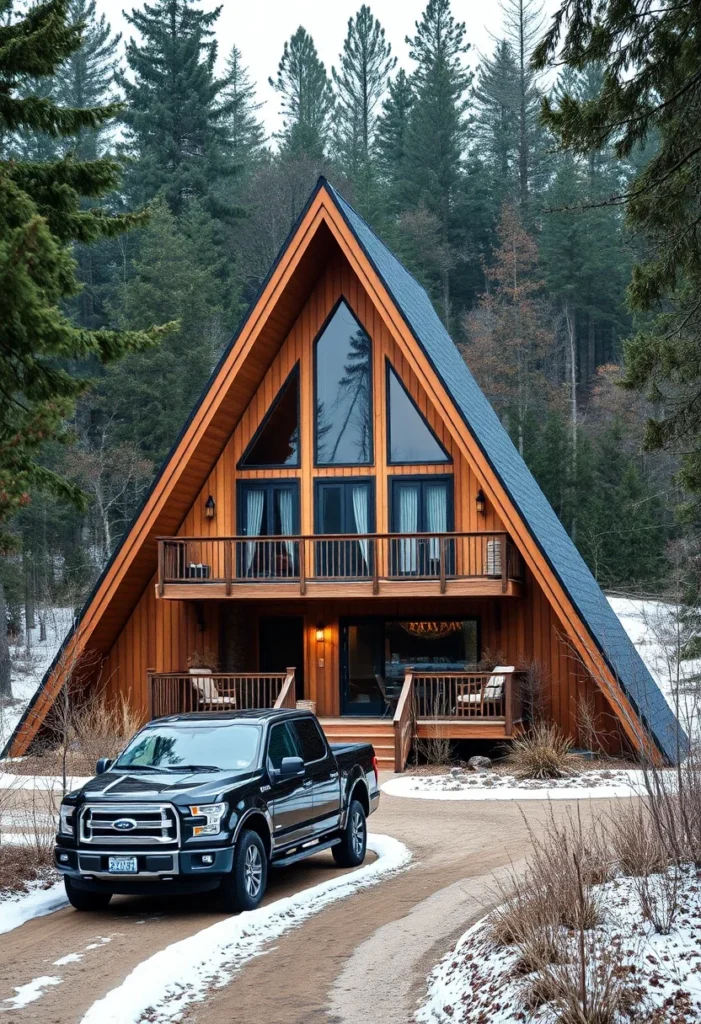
point(161, 634)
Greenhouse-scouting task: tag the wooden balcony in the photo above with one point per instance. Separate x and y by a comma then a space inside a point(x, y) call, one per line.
point(456, 705)
point(178, 693)
point(388, 565)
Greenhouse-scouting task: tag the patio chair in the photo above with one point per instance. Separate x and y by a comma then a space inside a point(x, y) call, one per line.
point(492, 693)
point(208, 694)
point(391, 700)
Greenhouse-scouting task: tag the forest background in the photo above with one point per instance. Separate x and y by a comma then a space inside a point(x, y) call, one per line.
point(516, 240)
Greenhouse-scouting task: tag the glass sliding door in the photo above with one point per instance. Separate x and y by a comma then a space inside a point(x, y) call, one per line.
point(268, 510)
point(361, 663)
point(344, 507)
point(421, 505)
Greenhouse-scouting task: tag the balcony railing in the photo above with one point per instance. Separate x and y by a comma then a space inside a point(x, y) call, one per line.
point(177, 693)
point(372, 558)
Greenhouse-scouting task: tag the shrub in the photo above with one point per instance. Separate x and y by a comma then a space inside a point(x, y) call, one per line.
point(541, 753)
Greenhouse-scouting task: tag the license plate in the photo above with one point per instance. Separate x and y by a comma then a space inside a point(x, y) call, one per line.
point(123, 865)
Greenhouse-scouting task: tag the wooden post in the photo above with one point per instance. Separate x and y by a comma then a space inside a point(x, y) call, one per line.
point(504, 568)
point(150, 672)
point(441, 560)
point(302, 565)
point(161, 567)
point(228, 544)
point(508, 708)
point(372, 548)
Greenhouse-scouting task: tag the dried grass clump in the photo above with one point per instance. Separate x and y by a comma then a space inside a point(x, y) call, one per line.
point(101, 728)
point(20, 865)
point(590, 990)
point(636, 842)
point(541, 753)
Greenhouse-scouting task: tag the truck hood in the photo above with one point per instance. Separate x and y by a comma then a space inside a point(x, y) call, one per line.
point(172, 786)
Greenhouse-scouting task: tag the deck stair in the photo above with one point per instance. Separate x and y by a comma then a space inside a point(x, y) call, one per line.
point(378, 731)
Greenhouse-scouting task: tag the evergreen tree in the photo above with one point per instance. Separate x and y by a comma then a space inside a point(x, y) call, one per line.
point(175, 124)
point(176, 275)
point(392, 133)
point(523, 24)
point(246, 134)
point(306, 99)
point(40, 220)
point(365, 65)
point(495, 127)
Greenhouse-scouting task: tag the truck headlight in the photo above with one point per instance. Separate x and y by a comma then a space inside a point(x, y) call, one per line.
point(66, 818)
point(213, 814)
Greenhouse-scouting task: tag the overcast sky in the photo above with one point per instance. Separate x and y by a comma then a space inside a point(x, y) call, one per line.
point(260, 27)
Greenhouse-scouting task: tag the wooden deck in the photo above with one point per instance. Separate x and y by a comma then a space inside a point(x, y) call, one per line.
point(365, 565)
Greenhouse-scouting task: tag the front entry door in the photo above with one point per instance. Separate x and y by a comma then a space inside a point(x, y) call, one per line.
point(361, 663)
point(281, 646)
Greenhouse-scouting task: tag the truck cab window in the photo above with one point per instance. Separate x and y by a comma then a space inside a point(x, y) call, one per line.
point(282, 744)
point(309, 739)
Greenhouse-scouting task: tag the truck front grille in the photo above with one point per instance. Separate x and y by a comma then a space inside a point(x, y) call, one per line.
point(129, 824)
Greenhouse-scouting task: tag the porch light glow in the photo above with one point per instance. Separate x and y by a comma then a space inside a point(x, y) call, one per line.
point(320, 627)
point(481, 502)
point(209, 507)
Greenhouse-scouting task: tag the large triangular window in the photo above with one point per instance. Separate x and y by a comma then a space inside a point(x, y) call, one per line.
point(410, 439)
point(276, 442)
point(343, 392)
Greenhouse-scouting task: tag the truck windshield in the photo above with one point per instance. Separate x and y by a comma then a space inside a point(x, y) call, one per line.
point(225, 747)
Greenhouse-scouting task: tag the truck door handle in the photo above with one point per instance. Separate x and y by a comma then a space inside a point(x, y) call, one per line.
point(307, 784)
point(333, 775)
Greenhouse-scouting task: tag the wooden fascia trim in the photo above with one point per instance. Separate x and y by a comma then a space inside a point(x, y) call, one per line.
point(576, 629)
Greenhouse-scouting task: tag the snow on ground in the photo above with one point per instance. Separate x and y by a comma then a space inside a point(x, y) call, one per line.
point(18, 908)
point(161, 988)
point(30, 992)
point(49, 783)
point(652, 627)
point(459, 785)
point(478, 981)
point(28, 667)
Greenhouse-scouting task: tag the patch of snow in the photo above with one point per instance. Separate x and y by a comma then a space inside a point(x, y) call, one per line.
point(46, 782)
point(166, 983)
point(589, 785)
point(477, 981)
point(32, 991)
point(69, 958)
point(29, 667)
point(18, 908)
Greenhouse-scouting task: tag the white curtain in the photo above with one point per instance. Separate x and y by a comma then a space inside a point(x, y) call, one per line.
point(360, 514)
point(254, 520)
point(436, 516)
point(287, 524)
point(408, 523)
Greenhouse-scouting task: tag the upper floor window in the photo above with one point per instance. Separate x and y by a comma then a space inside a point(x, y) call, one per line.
point(276, 442)
point(343, 392)
point(410, 439)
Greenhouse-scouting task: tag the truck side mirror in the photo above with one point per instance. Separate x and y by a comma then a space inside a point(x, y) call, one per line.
point(103, 765)
point(290, 767)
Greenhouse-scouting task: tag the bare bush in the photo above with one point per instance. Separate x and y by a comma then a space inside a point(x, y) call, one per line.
point(659, 898)
point(101, 728)
point(591, 988)
point(532, 683)
point(541, 753)
point(589, 724)
point(436, 748)
point(635, 842)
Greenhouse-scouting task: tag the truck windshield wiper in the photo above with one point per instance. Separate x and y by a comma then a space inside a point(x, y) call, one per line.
point(193, 768)
point(136, 768)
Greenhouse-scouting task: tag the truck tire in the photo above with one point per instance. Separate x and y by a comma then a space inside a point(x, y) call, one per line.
point(350, 852)
point(243, 888)
point(84, 899)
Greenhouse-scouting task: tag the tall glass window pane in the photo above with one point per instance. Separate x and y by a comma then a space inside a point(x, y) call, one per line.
point(343, 392)
point(276, 442)
point(410, 437)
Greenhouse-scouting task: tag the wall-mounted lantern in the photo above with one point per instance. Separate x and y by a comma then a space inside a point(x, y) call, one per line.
point(481, 502)
point(320, 629)
point(209, 507)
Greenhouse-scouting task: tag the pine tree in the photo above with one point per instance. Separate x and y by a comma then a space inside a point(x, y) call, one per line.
point(246, 134)
point(307, 100)
point(495, 128)
point(392, 133)
point(41, 218)
point(175, 124)
point(365, 66)
point(523, 24)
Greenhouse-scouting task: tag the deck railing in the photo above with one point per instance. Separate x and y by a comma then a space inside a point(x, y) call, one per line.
point(371, 557)
point(442, 698)
point(177, 693)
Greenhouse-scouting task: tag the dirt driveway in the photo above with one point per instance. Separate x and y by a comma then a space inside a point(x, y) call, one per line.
point(365, 956)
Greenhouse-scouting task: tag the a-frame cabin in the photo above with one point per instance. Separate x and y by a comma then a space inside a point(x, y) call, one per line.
point(344, 502)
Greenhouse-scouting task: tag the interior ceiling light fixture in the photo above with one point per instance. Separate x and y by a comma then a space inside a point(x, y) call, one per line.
point(431, 630)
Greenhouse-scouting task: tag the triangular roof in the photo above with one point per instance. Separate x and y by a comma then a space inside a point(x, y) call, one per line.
point(328, 220)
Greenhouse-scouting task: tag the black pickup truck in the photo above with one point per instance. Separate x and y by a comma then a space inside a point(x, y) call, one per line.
point(209, 802)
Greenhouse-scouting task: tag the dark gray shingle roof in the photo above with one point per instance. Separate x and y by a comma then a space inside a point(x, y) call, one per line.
point(553, 540)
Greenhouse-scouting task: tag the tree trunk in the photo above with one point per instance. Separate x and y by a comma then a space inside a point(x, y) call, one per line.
point(5, 674)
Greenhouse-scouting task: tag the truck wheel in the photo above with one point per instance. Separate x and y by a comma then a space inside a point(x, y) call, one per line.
point(350, 852)
point(84, 899)
point(244, 886)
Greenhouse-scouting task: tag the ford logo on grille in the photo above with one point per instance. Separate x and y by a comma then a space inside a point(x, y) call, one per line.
point(124, 824)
